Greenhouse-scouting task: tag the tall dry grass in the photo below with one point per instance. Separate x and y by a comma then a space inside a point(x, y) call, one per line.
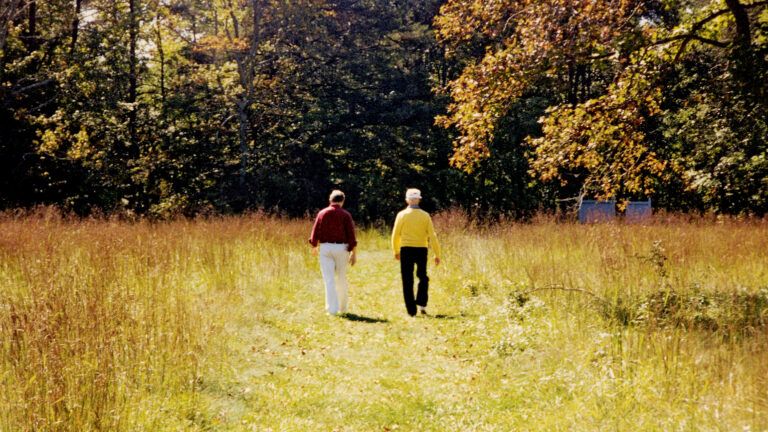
point(103, 321)
point(215, 324)
point(655, 326)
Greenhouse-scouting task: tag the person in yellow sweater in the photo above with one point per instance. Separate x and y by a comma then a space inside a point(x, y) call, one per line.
point(412, 235)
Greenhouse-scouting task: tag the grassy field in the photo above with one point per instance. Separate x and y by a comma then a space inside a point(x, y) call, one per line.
point(219, 325)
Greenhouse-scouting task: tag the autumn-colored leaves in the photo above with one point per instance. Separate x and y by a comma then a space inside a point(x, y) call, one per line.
point(535, 43)
point(604, 138)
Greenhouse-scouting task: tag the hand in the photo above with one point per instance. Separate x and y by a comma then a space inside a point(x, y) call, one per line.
point(352, 258)
point(314, 250)
point(437, 261)
point(397, 257)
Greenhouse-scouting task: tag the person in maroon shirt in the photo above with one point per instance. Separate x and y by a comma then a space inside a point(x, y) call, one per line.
point(333, 238)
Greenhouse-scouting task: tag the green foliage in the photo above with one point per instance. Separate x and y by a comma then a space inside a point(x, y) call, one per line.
point(721, 142)
point(648, 98)
point(603, 140)
point(266, 106)
point(198, 106)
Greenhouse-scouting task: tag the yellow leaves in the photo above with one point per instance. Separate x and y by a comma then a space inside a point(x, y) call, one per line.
point(468, 154)
point(444, 121)
point(213, 46)
point(49, 142)
point(462, 20)
point(538, 38)
point(81, 147)
point(603, 137)
point(481, 95)
point(60, 140)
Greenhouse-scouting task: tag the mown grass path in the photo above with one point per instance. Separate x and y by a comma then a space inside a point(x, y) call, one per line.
point(295, 368)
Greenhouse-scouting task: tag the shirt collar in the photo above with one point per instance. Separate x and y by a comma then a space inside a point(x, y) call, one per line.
point(336, 206)
point(413, 206)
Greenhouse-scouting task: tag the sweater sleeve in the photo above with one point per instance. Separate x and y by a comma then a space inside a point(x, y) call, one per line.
point(396, 234)
point(349, 226)
point(433, 238)
point(313, 239)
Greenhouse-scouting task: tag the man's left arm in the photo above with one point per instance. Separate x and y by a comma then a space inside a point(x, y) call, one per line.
point(349, 227)
point(433, 241)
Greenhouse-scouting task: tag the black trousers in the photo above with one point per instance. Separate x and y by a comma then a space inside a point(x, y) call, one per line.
point(410, 257)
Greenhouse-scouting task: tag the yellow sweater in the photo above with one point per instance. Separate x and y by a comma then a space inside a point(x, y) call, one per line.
point(413, 228)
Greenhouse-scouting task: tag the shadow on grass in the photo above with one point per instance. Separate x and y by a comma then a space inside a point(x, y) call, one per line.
point(362, 318)
point(443, 316)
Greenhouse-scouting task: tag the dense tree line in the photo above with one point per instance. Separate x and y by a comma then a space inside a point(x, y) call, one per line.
point(663, 98)
point(165, 107)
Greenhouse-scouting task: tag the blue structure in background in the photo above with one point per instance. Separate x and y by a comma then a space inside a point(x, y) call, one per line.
point(605, 211)
point(596, 211)
point(638, 211)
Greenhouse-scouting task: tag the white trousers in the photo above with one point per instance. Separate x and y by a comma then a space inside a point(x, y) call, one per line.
point(333, 265)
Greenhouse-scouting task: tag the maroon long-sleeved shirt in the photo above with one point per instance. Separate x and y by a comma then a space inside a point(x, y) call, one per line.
point(334, 225)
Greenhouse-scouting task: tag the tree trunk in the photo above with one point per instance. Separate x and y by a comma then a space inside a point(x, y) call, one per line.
point(194, 27)
point(235, 23)
point(242, 117)
point(75, 27)
point(215, 18)
point(256, 38)
point(572, 93)
point(746, 59)
point(32, 18)
point(8, 12)
point(246, 70)
point(133, 191)
point(161, 59)
point(133, 32)
point(743, 32)
point(31, 36)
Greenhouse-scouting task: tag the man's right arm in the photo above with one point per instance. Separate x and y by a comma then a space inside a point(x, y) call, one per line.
point(396, 239)
point(313, 237)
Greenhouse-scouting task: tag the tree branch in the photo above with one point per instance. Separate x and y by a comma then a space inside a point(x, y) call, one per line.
point(699, 25)
point(33, 86)
point(690, 36)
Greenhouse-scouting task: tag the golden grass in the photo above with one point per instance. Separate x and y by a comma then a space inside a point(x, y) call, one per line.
point(217, 324)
